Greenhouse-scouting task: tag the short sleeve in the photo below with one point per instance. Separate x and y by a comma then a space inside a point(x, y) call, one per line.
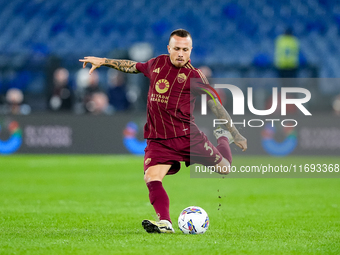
point(200, 85)
point(145, 67)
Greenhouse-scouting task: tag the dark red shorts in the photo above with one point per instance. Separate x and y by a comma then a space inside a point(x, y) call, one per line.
point(191, 149)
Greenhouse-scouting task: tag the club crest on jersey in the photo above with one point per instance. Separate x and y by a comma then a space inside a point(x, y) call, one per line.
point(156, 70)
point(181, 77)
point(162, 86)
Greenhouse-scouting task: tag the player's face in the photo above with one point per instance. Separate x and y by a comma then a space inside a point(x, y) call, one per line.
point(179, 49)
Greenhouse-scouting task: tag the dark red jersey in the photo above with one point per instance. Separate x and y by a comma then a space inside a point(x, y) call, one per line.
point(171, 99)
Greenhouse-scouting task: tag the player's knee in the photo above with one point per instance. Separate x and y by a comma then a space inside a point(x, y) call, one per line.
point(156, 173)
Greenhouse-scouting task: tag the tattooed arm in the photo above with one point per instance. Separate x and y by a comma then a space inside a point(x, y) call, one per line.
point(222, 113)
point(126, 66)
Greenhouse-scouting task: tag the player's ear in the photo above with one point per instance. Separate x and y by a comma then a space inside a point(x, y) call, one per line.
point(168, 49)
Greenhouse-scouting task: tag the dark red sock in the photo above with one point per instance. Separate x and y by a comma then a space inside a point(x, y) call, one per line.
point(224, 148)
point(159, 199)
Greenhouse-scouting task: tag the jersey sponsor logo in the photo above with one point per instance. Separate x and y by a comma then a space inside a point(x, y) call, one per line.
point(159, 98)
point(156, 70)
point(181, 77)
point(162, 86)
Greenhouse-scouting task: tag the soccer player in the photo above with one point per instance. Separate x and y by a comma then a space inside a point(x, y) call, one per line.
point(171, 133)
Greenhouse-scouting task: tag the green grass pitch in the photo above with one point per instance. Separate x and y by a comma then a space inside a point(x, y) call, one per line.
point(53, 204)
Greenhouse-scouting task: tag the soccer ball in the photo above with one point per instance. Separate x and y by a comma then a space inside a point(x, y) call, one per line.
point(193, 220)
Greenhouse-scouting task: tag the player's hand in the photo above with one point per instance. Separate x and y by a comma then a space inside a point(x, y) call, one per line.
point(241, 142)
point(94, 61)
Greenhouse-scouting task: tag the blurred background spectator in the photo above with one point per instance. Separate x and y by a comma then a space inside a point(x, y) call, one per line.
point(87, 86)
point(15, 103)
point(98, 103)
point(287, 51)
point(90, 90)
point(336, 105)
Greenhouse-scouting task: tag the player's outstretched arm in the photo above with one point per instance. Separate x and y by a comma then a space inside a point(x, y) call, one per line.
point(222, 113)
point(126, 66)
